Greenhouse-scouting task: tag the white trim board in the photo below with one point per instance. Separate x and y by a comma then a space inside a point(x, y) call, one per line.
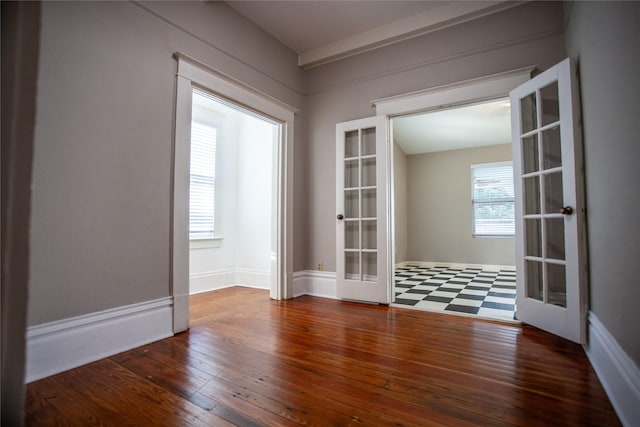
point(316, 283)
point(429, 264)
point(58, 346)
point(618, 374)
point(465, 92)
point(219, 279)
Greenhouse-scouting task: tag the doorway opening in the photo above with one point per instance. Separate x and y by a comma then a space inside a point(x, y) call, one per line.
point(454, 216)
point(192, 74)
point(232, 195)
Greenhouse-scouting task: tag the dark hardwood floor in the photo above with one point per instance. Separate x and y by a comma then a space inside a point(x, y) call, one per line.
point(250, 361)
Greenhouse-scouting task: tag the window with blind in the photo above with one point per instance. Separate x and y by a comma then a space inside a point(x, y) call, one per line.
point(203, 170)
point(493, 199)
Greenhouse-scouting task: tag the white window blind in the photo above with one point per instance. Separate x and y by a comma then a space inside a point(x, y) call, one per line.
point(202, 178)
point(493, 200)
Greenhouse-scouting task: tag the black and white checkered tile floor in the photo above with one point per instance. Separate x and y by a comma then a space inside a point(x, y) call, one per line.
point(485, 292)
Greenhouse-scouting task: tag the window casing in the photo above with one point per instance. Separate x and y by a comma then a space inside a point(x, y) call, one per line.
point(493, 200)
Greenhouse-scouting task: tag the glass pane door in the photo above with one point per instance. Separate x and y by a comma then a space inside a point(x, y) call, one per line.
point(361, 223)
point(550, 229)
point(541, 177)
point(360, 202)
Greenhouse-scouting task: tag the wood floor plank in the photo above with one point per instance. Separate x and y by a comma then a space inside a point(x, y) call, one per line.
point(251, 361)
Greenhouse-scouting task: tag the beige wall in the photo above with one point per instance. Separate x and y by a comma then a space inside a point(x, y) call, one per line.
point(604, 37)
point(527, 35)
point(103, 141)
point(439, 210)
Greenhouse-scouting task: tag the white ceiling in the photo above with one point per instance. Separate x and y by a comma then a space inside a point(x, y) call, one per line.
point(323, 31)
point(453, 129)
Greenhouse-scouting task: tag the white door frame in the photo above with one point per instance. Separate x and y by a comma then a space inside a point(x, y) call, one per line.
point(193, 72)
point(479, 89)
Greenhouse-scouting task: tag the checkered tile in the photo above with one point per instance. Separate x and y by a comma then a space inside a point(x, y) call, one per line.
point(485, 292)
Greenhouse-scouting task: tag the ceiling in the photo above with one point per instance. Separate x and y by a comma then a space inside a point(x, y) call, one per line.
point(324, 31)
point(474, 125)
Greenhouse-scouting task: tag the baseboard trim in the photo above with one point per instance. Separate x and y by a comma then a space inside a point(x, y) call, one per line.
point(316, 283)
point(220, 279)
point(429, 264)
point(58, 346)
point(618, 374)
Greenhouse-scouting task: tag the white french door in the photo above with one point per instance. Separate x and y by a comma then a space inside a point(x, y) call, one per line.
point(548, 172)
point(361, 218)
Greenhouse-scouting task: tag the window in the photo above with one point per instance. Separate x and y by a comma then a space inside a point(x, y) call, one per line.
point(202, 174)
point(493, 199)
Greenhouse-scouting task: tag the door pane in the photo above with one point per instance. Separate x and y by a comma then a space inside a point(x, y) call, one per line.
point(550, 106)
point(369, 235)
point(368, 141)
point(369, 203)
point(553, 192)
point(352, 265)
point(369, 266)
point(528, 108)
point(351, 204)
point(551, 149)
point(532, 195)
point(351, 174)
point(368, 172)
point(351, 235)
point(554, 245)
point(534, 279)
point(351, 144)
point(533, 237)
point(530, 153)
point(557, 284)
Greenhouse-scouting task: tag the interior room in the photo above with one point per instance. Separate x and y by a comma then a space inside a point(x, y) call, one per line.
point(98, 324)
point(454, 210)
point(233, 161)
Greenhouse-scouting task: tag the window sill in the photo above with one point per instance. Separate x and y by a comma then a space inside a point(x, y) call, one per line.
point(493, 236)
point(207, 243)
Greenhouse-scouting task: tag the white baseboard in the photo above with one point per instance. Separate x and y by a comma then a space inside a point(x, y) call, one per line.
point(618, 374)
point(58, 346)
point(253, 278)
point(316, 283)
point(453, 265)
point(213, 280)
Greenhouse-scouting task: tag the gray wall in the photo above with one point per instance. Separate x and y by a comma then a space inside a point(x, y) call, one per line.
point(605, 38)
point(400, 203)
point(103, 141)
point(440, 215)
point(531, 34)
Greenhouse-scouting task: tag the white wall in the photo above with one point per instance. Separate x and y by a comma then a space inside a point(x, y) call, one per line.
point(440, 213)
point(242, 254)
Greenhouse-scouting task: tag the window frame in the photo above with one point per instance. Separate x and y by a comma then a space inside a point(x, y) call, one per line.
point(474, 202)
point(212, 121)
